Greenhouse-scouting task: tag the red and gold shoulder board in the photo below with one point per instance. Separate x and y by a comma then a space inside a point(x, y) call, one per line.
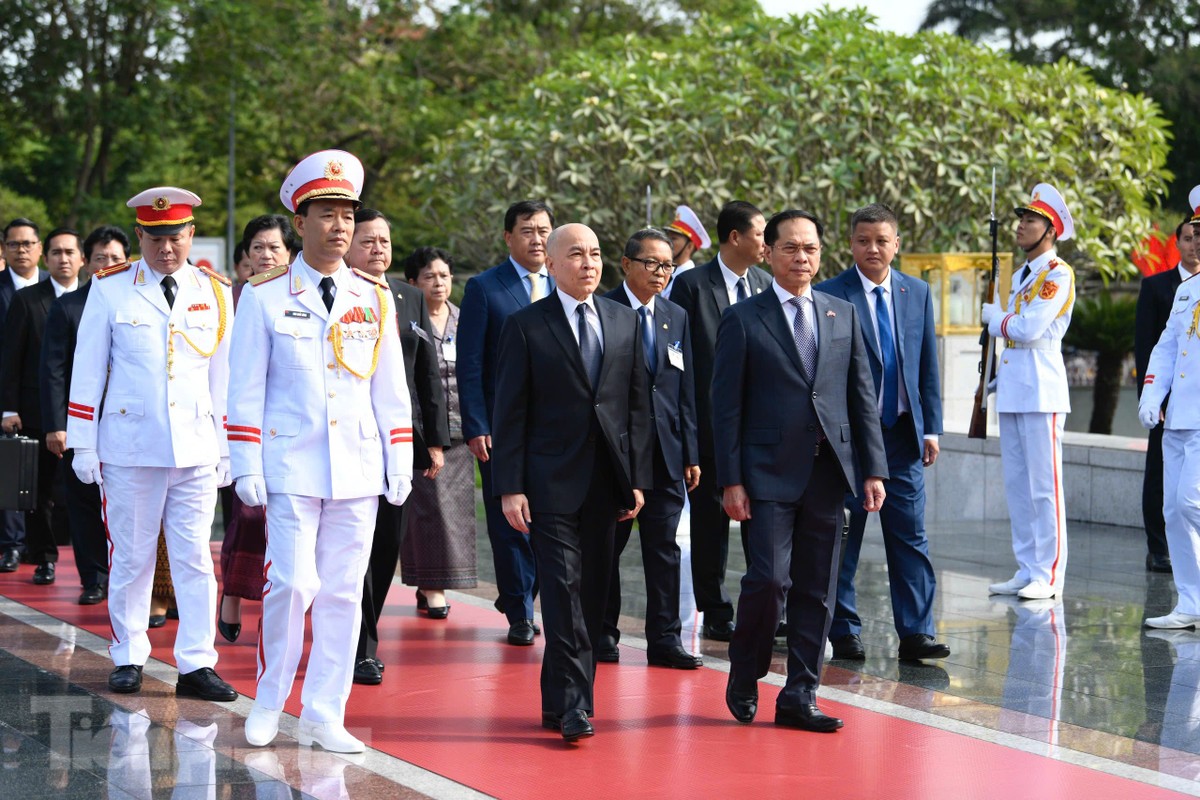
point(213, 274)
point(271, 274)
point(101, 274)
point(366, 276)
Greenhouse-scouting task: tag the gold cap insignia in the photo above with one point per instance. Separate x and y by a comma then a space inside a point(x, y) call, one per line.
point(333, 170)
point(161, 204)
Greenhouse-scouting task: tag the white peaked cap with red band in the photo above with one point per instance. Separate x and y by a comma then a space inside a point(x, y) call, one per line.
point(164, 210)
point(332, 174)
point(1045, 201)
point(687, 223)
point(1194, 202)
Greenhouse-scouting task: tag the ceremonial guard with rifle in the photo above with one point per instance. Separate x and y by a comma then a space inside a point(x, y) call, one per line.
point(1031, 395)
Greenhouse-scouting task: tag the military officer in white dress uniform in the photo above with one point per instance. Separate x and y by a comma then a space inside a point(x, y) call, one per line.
point(1031, 395)
point(688, 237)
point(146, 419)
point(1175, 368)
point(319, 427)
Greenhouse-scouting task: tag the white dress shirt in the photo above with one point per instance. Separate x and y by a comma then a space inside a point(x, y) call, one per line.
point(570, 304)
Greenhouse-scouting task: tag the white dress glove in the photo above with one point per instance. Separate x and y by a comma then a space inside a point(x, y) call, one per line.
point(398, 488)
point(87, 466)
point(990, 311)
point(1148, 415)
point(223, 478)
point(251, 490)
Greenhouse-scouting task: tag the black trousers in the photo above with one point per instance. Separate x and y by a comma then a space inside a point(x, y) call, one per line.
point(574, 555)
point(47, 524)
point(89, 539)
point(1152, 495)
point(710, 547)
point(794, 554)
point(390, 523)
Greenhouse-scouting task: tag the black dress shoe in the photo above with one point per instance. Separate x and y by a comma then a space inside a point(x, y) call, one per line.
point(229, 630)
point(378, 664)
point(521, 633)
point(807, 718)
point(607, 651)
point(676, 658)
point(126, 679)
point(11, 560)
point(172, 612)
point(366, 673)
point(43, 575)
point(849, 648)
point(91, 595)
point(1156, 563)
point(718, 631)
point(157, 620)
point(205, 684)
point(438, 612)
point(743, 705)
point(921, 645)
point(575, 725)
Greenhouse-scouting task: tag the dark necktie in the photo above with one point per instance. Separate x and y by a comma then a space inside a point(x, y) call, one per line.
point(327, 292)
point(743, 291)
point(168, 289)
point(1024, 275)
point(806, 343)
point(589, 346)
point(648, 340)
point(887, 348)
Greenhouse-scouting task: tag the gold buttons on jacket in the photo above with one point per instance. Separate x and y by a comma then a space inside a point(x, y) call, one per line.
point(272, 431)
point(333, 423)
point(333, 394)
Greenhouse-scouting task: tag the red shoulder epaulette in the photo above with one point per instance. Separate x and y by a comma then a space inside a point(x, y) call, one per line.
point(101, 274)
point(366, 276)
point(213, 274)
point(271, 274)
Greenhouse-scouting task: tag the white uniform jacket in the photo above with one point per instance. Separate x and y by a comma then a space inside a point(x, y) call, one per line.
point(1175, 362)
point(299, 415)
point(150, 380)
point(1032, 376)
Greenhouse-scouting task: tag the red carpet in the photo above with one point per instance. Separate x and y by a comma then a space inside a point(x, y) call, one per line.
point(458, 701)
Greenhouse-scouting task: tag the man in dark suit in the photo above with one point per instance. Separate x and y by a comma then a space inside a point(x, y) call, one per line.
point(107, 246)
point(371, 252)
point(1153, 308)
point(704, 293)
point(22, 251)
point(571, 458)
point(671, 403)
point(490, 297)
point(20, 393)
point(795, 427)
point(895, 312)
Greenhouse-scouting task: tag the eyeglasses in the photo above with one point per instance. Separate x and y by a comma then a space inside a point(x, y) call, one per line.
point(22, 245)
point(790, 250)
point(654, 266)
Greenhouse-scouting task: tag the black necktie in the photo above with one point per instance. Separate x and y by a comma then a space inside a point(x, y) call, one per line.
point(743, 290)
point(589, 346)
point(327, 292)
point(648, 340)
point(168, 289)
point(1024, 275)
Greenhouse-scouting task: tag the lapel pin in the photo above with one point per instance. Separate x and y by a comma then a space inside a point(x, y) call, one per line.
point(903, 289)
point(664, 326)
point(830, 313)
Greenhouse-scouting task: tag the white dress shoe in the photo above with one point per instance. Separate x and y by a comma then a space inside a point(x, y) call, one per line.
point(1039, 590)
point(1176, 619)
point(1010, 586)
point(262, 725)
point(330, 735)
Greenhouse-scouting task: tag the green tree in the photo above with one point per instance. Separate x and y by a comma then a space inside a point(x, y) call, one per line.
point(1104, 324)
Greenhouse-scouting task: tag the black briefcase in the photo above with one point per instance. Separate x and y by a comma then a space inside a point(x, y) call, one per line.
point(18, 473)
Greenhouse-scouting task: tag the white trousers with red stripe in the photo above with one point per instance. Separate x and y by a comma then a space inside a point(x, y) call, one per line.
point(1031, 450)
point(317, 555)
point(136, 501)
point(1181, 512)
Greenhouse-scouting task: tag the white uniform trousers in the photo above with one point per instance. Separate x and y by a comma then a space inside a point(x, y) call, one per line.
point(136, 500)
point(1181, 511)
point(1031, 451)
point(317, 555)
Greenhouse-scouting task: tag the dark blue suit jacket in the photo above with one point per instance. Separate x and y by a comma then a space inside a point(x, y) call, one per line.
point(58, 356)
point(489, 299)
point(765, 414)
point(7, 290)
point(672, 391)
point(916, 343)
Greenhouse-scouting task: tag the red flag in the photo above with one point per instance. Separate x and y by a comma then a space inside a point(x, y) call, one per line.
point(1154, 255)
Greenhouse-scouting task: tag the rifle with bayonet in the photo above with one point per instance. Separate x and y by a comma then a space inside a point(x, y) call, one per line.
point(987, 363)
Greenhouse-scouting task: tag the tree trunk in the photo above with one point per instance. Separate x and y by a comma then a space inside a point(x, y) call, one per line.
point(1107, 391)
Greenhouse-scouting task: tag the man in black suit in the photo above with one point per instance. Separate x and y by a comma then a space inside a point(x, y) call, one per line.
point(671, 403)
point(704, 293)
point(1153, 308)
point(20, 392)
point(107, 246)
point(571, 457)
point(22, 251)
point(796, 426)
point(371, 252)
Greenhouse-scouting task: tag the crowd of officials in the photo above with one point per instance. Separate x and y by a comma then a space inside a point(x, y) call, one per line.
point(346, 409)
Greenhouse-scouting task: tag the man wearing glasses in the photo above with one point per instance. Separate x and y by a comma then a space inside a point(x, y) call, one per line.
point(671, 400)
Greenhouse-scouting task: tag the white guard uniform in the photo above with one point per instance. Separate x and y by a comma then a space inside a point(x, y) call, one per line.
point(324, 439)
point(1033, 401)
point(1175, 368)
point(158, 431)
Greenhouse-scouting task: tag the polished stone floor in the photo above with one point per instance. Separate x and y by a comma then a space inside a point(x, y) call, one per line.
point(1078, 679)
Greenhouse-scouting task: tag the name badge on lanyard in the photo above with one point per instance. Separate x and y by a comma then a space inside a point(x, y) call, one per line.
point(675, 355)
point(449, 350)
